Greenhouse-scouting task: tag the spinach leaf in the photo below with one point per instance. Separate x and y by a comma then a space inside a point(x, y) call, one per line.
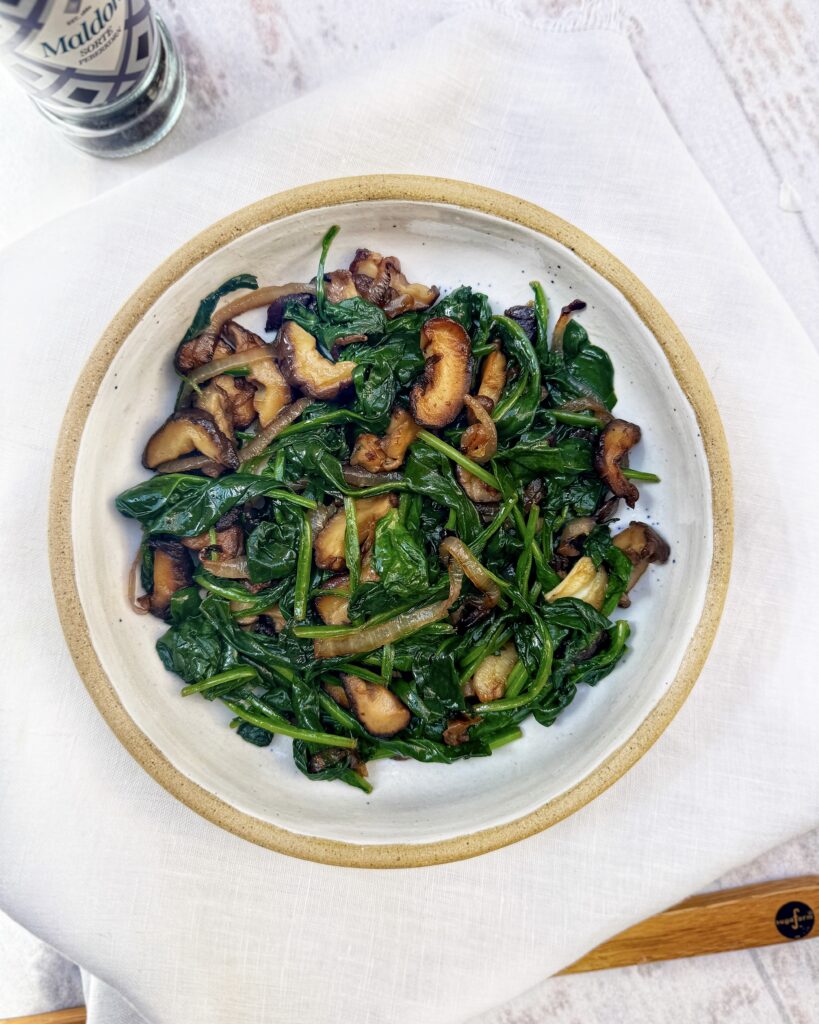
point(254, 734)
point(208, 304)
point(273, 546)
point(338, 320)
point(583, 369)
point(533, 453)
point(194, 650)
point(600, 549)
point(186, 505)
point(429, 473)
point(398, 558)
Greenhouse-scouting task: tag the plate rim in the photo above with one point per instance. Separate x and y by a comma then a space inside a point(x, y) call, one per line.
point(344, 191)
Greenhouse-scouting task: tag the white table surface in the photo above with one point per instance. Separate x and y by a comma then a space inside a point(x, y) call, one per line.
point(762, 58)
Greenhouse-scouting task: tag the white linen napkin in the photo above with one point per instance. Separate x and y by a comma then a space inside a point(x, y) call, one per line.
point(191, 923)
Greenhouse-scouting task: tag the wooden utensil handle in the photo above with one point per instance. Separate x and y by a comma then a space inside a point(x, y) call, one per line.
point(715, 922)
point(754, 915)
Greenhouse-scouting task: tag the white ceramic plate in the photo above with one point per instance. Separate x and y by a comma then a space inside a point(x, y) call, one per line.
point(448, 234)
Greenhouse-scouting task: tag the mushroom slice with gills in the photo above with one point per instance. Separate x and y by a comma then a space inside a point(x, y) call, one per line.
point(476, 489)
point(333, 610)
point(328, 545)
point(378, 709)
point(172, 571)
point(489, 680)
point(227, 540)
point(573, 531)
point(447, 351)
point(585, 582)
point(189, 430)
point(613, 445)
point(493, 378)
point(271, 621)
point(643, 546)
point(273, 392)
point(339, 285)
point(480, 440)
point(304, 366)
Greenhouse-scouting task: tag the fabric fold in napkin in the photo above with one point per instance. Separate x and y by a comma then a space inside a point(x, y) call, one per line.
point(191, 923)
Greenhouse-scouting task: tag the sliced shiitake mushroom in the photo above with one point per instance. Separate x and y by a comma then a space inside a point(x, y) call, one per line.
point(273, 392)
point(585, 582)
point(525, 318)
point(493, 377)
point(643, 546)
point(333, 610)
point(337, 693)
point(271, 622)
point(329, 543)
point(476, 489)
point(240, 395)
point(189, 430)
point(574, 531)
point(615, 442)
point(304, 366)
point(275, 311)
point(385, 454)
point(489, 680)
point(447, 351)
point(480, 439)
point(172, 571)
point(378, 709)
point(215, 401)
point(228, 543)
point(339, 285)
point(379, 280)
point(457, 730)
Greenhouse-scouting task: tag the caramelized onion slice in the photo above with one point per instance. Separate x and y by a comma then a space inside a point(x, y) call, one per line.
point(480, 440)
point(217, 366)
point(227, 568)
point(288, 415)
point(133, 576)
point(370, 638)
point(454, 548)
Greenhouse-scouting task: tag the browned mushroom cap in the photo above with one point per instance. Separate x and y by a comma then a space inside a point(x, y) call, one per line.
point(573, 531)
point(377, 708)
point(476, 489)
point(172, 572)
point(199, 350)
point(379, 280)
point(305, 368)
point(493, 377)
point(457, 730)
point(189, 430)
point(368, 453)
point(447, 350)
point(273, 392)
point(339, 285)
point(329, 543)
point(643, 546)
point(615, 442)
point(584, 582)
point(489, 680)
point(333, 610)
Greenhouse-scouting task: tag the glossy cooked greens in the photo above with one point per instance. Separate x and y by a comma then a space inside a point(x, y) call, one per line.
point(361, 583)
